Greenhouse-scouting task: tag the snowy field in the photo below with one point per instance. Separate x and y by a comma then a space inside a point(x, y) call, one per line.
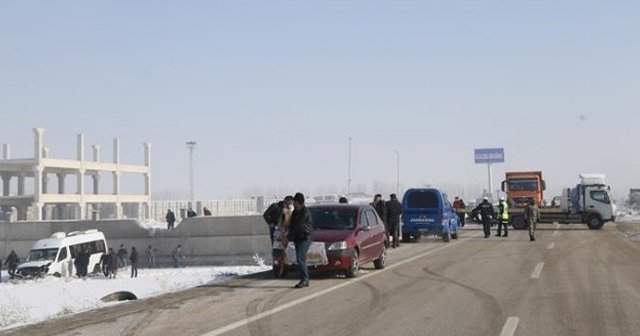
point(31, 301)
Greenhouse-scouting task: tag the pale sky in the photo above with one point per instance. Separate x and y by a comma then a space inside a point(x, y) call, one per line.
point(271, 90)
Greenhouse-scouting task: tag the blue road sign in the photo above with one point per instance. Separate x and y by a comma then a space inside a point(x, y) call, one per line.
point(489, 155)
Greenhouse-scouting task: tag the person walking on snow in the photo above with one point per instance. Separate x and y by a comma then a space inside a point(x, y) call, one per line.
point(133, 257)
point(122, 256)
point(113, 264)
point(12, 262)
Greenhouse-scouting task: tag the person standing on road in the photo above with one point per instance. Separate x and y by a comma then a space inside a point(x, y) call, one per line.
point(133, 257)
point(381, 208)
point(206, 211)
point(12, 263)
point(486, 210)
point(113, 264)
point(170, 217)
point(503, 217)
point(104, 263)
point(122, 255)
point(273, 215)
point(459, 206)
point(394, 210)
point(300, 233)
point(151, 258)
point(177, 256)
point(531, 216)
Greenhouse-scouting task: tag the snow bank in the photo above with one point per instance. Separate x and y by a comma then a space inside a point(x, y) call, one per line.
point(31, 301)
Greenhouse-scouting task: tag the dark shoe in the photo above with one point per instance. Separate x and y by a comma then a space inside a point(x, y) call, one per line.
point(302, 284)
point(532, 238)
point(505, 235)
point(497, 235)
point(486, 236)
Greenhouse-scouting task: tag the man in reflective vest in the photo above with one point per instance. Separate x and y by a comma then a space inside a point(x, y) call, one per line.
point(503, 217)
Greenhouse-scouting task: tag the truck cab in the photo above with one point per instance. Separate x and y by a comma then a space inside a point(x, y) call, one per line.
point(523, 187)
point(591, 200)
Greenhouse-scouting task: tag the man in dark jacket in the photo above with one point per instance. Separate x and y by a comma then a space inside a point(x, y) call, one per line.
point(486, 210)
point(12, 263)
point(273, 214)
point(300, 234)
point(381, 209)
point(394, 210)
point(113, 264)
point(104, 263)
point(133, 257)
point(171, 219)
point(122, 256)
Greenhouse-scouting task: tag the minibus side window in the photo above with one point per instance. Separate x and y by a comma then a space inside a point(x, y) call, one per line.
point(63, 254)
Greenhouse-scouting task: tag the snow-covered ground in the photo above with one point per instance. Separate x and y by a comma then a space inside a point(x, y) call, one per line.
point(31, 301)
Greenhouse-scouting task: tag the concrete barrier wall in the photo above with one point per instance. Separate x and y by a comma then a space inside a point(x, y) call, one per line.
point(205, 240)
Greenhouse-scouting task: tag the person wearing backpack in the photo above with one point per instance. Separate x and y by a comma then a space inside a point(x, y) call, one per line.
point(273, 215)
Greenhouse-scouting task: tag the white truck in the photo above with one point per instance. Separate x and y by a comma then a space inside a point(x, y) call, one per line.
point(588, 202)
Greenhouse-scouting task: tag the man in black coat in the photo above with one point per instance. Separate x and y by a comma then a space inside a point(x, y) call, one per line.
point(381, 209)
point(171, 219)
point(394, 211)
point(273, 214)
point(486, 210)
point(12, 263)
point(300, 233)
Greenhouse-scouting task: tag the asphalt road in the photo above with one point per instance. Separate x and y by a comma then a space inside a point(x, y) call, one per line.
point(571, 281)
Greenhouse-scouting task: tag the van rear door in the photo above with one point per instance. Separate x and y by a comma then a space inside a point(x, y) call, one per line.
point(421, 211)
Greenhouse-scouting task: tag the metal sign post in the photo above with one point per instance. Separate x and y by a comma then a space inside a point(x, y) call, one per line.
point(489, 156)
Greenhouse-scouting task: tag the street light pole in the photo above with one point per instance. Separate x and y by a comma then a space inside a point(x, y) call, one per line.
point(349, 169)
point(191, 145)
point(398, 172)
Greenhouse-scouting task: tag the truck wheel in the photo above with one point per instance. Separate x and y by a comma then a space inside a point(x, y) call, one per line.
point(518, 223)
point(594, 222)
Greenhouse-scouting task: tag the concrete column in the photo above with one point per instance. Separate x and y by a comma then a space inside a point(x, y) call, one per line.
point(6, 151)
point(95, 212)
point(116, 151)
point(80, 147)
point(21, 184)
point(118, 210)
point(38, 134)
point(82, 211)
point(116, 183)
point(96, 153)
point(22, 212)
point(80, 184)
point(38, 179)
point(39, 211)
point(6, 184)
point(45, 152)
point(61, 184)
point(96, 183)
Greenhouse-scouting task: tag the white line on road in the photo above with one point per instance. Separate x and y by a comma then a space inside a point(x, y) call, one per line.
point(556, 233)
point(510, 326)
point(293, 303)
point(537, 271)
point(551, 246)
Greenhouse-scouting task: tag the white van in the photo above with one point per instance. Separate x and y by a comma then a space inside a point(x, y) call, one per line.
point(55, 255)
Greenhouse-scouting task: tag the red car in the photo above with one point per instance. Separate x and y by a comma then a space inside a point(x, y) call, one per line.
point(353, 235)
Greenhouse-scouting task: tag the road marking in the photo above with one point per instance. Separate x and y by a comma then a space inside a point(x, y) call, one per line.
point(537, 271)
point(304, 299)
point(551, 246)
point(510, 326)
point(556, 233)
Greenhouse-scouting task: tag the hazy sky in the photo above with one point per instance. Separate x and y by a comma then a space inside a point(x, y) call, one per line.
point(271, 90)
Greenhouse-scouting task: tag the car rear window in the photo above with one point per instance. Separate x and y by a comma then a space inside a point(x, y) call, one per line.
point(334, 219)
point(426, 199)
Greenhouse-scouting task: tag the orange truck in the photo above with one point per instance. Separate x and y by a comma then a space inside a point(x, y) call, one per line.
point(522, 187)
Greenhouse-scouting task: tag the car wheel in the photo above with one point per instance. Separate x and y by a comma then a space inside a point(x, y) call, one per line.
point(381, 262)
point(57, 275)
point(354, 265)
point(454, 235)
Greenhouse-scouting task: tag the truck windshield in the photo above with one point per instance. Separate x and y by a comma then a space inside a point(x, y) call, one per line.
point(523, 185)
point(42, 254)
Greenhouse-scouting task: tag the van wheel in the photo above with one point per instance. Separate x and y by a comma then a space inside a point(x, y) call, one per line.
point(454, 235)
point(594, 222)
point(406, 237)
point(381, 262)
point(57, 275)
point(354, 265)
point(445, 237)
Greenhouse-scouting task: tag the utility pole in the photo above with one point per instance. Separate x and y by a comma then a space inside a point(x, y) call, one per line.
point(397, 172)
point(191, 145)
point(349, 169)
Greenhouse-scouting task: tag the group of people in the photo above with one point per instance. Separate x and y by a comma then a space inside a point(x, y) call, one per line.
point(170, 217)
point(389, 211)
point(488, 214)
point(11, 263)
point(112, 261)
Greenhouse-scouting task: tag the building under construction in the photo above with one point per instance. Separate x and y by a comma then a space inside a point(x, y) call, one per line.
point(41, 203)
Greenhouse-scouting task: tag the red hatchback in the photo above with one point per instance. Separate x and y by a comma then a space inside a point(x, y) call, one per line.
point(353, 235)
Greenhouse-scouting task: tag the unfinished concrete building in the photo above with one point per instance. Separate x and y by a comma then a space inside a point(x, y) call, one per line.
point(45, 204)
